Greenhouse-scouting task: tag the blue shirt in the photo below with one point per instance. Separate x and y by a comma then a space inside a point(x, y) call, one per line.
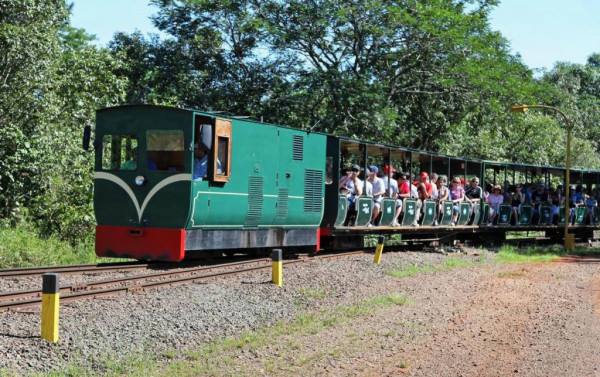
point(201, 168)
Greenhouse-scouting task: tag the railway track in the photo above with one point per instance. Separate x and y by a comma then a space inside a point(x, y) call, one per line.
point(94, 289)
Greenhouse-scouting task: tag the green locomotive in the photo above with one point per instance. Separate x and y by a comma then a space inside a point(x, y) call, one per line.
point(263, 184)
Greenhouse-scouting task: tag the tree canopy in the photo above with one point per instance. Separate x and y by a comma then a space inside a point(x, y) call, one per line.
point(429, 74)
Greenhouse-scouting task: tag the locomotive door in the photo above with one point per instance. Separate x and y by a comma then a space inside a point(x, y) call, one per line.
point(283, 177)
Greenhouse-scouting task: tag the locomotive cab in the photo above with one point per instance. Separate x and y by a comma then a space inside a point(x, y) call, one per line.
point(143, 167)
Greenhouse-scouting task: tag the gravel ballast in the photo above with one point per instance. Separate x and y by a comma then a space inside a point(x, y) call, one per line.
point(453, 311)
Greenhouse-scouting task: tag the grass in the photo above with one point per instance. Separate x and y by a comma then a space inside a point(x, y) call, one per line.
point(510, 254)
point(22, 247)
point(219, 356)
point(313, 292)
point(449, 263)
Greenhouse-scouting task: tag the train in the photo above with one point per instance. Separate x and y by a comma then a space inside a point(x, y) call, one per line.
point(173, 184)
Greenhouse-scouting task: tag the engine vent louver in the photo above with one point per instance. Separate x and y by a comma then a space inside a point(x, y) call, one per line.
point(255, 201)
point(282, 203)
point(298, 148)
point(313, 190)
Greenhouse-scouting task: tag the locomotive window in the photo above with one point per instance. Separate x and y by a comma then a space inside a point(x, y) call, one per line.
point(223, 155)
point(221, 159)
point(165, 150)
point(329, 170)
point(119, 152)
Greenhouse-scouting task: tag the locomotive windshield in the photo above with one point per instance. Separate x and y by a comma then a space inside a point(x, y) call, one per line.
point(119, 152)
point(165, 149)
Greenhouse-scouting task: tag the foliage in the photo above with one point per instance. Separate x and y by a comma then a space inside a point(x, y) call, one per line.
point(52, 81)
point(20, 247)
point(429, 74)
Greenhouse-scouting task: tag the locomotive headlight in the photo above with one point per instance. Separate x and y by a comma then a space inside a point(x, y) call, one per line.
point(139, 180)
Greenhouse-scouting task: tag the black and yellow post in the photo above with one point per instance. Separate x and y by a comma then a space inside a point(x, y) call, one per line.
point(277, 267)
point(378, 250)
point(50, 302)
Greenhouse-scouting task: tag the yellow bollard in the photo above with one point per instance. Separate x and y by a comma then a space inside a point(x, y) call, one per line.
point(378, 250)
point(277, 267)
point(50, 303)
point(569, 242)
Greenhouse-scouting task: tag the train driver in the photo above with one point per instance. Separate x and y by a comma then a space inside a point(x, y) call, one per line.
point(201, 163)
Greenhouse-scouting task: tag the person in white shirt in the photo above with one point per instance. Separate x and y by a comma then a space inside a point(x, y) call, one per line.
point(433, 177)
point(378, 191)
point(351, 186)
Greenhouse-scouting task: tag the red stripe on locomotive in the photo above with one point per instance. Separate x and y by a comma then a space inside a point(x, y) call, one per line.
point(140, 243)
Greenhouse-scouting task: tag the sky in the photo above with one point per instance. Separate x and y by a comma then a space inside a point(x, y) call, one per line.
point(541, 31)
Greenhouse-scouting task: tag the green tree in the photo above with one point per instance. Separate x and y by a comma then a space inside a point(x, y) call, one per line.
point(52, 81)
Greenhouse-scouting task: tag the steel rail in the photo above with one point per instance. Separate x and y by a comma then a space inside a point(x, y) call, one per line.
point(7, 299)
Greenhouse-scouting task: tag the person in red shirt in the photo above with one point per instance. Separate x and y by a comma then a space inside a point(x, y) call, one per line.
point(424, 187)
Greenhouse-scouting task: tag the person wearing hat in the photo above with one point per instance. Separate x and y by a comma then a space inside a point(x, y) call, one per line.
point(378, 191)
point(495, 199)
point(351, 186)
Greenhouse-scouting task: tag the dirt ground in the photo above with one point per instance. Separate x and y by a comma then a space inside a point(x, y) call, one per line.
point(539, 319)
point(520, 320)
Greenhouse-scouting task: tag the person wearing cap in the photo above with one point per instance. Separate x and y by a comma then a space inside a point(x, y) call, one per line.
point(577, 200)
point(495, 199)
point(424, 188)
point(378, 191)
point(351, 185)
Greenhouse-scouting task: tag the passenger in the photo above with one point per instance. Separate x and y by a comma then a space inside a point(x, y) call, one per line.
point(590, 206)
point(529, 188)
point(443, 194)
point(517, 199)
point(495, 199)
point(508, 190)
point(408, 191)
point(473, 191)
point(538, 197)
point(367, 186)
point(457, 195)
point(414, 192)
point(388, 179)
point(577, 200)
point(394, 181)
point(558, 199)
point(474, 194)
point(378, 191)
point(434, 190)
point(351, 186)
point(424, 188)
